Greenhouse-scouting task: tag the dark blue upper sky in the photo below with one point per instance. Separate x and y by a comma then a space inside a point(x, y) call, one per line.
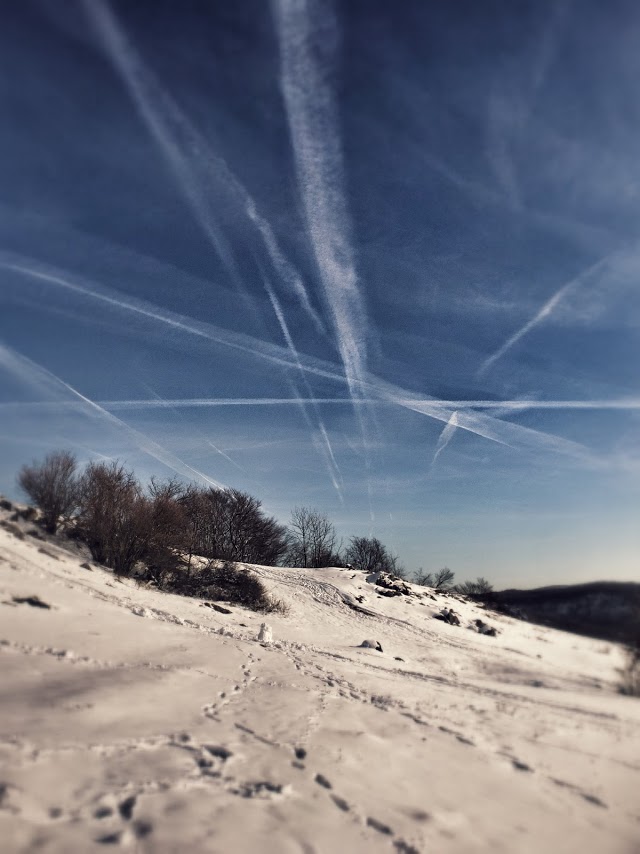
point(377, 258)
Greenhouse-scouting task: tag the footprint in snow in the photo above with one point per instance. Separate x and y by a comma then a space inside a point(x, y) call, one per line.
point(379, 826)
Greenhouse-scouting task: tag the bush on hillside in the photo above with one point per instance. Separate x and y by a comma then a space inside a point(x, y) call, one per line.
point(227, 582)
point(440, 580)
point(480, 589)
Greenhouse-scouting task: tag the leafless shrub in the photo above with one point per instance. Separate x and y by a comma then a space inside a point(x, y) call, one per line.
point(480, 589)
point(382, 701)
point(440, 580)
point(53, 487)
point(227, 582)
point(443, 578)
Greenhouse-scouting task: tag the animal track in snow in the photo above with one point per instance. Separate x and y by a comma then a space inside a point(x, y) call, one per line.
point(264, 789)
point(321, 780)
point(379, 826)
point(592, 799)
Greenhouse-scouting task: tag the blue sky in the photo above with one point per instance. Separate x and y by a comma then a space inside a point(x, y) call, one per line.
point(380, 259)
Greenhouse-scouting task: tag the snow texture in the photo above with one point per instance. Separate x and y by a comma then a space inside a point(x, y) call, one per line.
point(132, 718)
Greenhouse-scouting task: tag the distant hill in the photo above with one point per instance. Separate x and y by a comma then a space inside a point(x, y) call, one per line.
point(601, 609)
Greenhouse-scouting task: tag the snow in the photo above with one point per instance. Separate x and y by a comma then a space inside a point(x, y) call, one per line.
point(139, 719)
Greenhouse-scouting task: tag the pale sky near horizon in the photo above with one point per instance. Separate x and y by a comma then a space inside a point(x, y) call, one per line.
point(379, 259)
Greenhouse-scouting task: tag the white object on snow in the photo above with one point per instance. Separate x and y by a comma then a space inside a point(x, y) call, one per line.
point(265, 635)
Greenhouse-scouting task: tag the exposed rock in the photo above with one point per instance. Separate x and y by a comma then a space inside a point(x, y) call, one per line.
point(393, 583)
point(484, 628)
point(372, 644)
point(218, 608)
point(448, 615)
point(26, 512)
point(34, 601)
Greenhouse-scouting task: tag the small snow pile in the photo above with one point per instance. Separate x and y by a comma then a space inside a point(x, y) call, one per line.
point(265, 634)
point(372, 644)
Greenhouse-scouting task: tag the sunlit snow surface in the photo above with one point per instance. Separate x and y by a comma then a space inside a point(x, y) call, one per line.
point(134, 718)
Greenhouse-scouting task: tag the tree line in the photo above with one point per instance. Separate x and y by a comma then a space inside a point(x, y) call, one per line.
point(162, 526)
point(167, 522)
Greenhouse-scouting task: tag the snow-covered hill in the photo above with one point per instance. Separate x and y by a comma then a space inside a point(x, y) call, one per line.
point(135, 718)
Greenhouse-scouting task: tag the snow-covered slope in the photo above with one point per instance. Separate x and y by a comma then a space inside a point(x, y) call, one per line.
point(134, 718)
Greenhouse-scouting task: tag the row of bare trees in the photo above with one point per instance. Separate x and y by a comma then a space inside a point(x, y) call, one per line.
point(166, 524)
point(123, 523)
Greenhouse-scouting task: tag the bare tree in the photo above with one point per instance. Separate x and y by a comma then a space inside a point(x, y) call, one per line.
point(443, 579)
point(480, 588)
point(370, 555)
point(52, 486)
point(424, 578)
point(228, 524)
point(312, 539)
point(115, 518)
point(395, 567)
point(168, 532)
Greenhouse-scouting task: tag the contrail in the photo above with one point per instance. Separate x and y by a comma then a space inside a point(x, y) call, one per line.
point(446, 436)
point(502, 432)
point(236, 340)
point(327, 451)
point(168, 405)
point(33, 374)
point(226, 456)
point(307, 56)
point(280, 263)
point(483, 425)
point(167, 127)
point(311, 114)
point(201, 173)
point(508, 406)
point(547, 309)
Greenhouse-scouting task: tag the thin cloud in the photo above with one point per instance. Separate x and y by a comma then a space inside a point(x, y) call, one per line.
point(48, 383)
point(174, 410)
point(201, 173)
point(307, 39)
point(507, 406)
point(546, 311)
point(446, 436)
point(179, 323)
point(325, 445)
point(226, 456)
point(304, 36)
point(482, 425)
